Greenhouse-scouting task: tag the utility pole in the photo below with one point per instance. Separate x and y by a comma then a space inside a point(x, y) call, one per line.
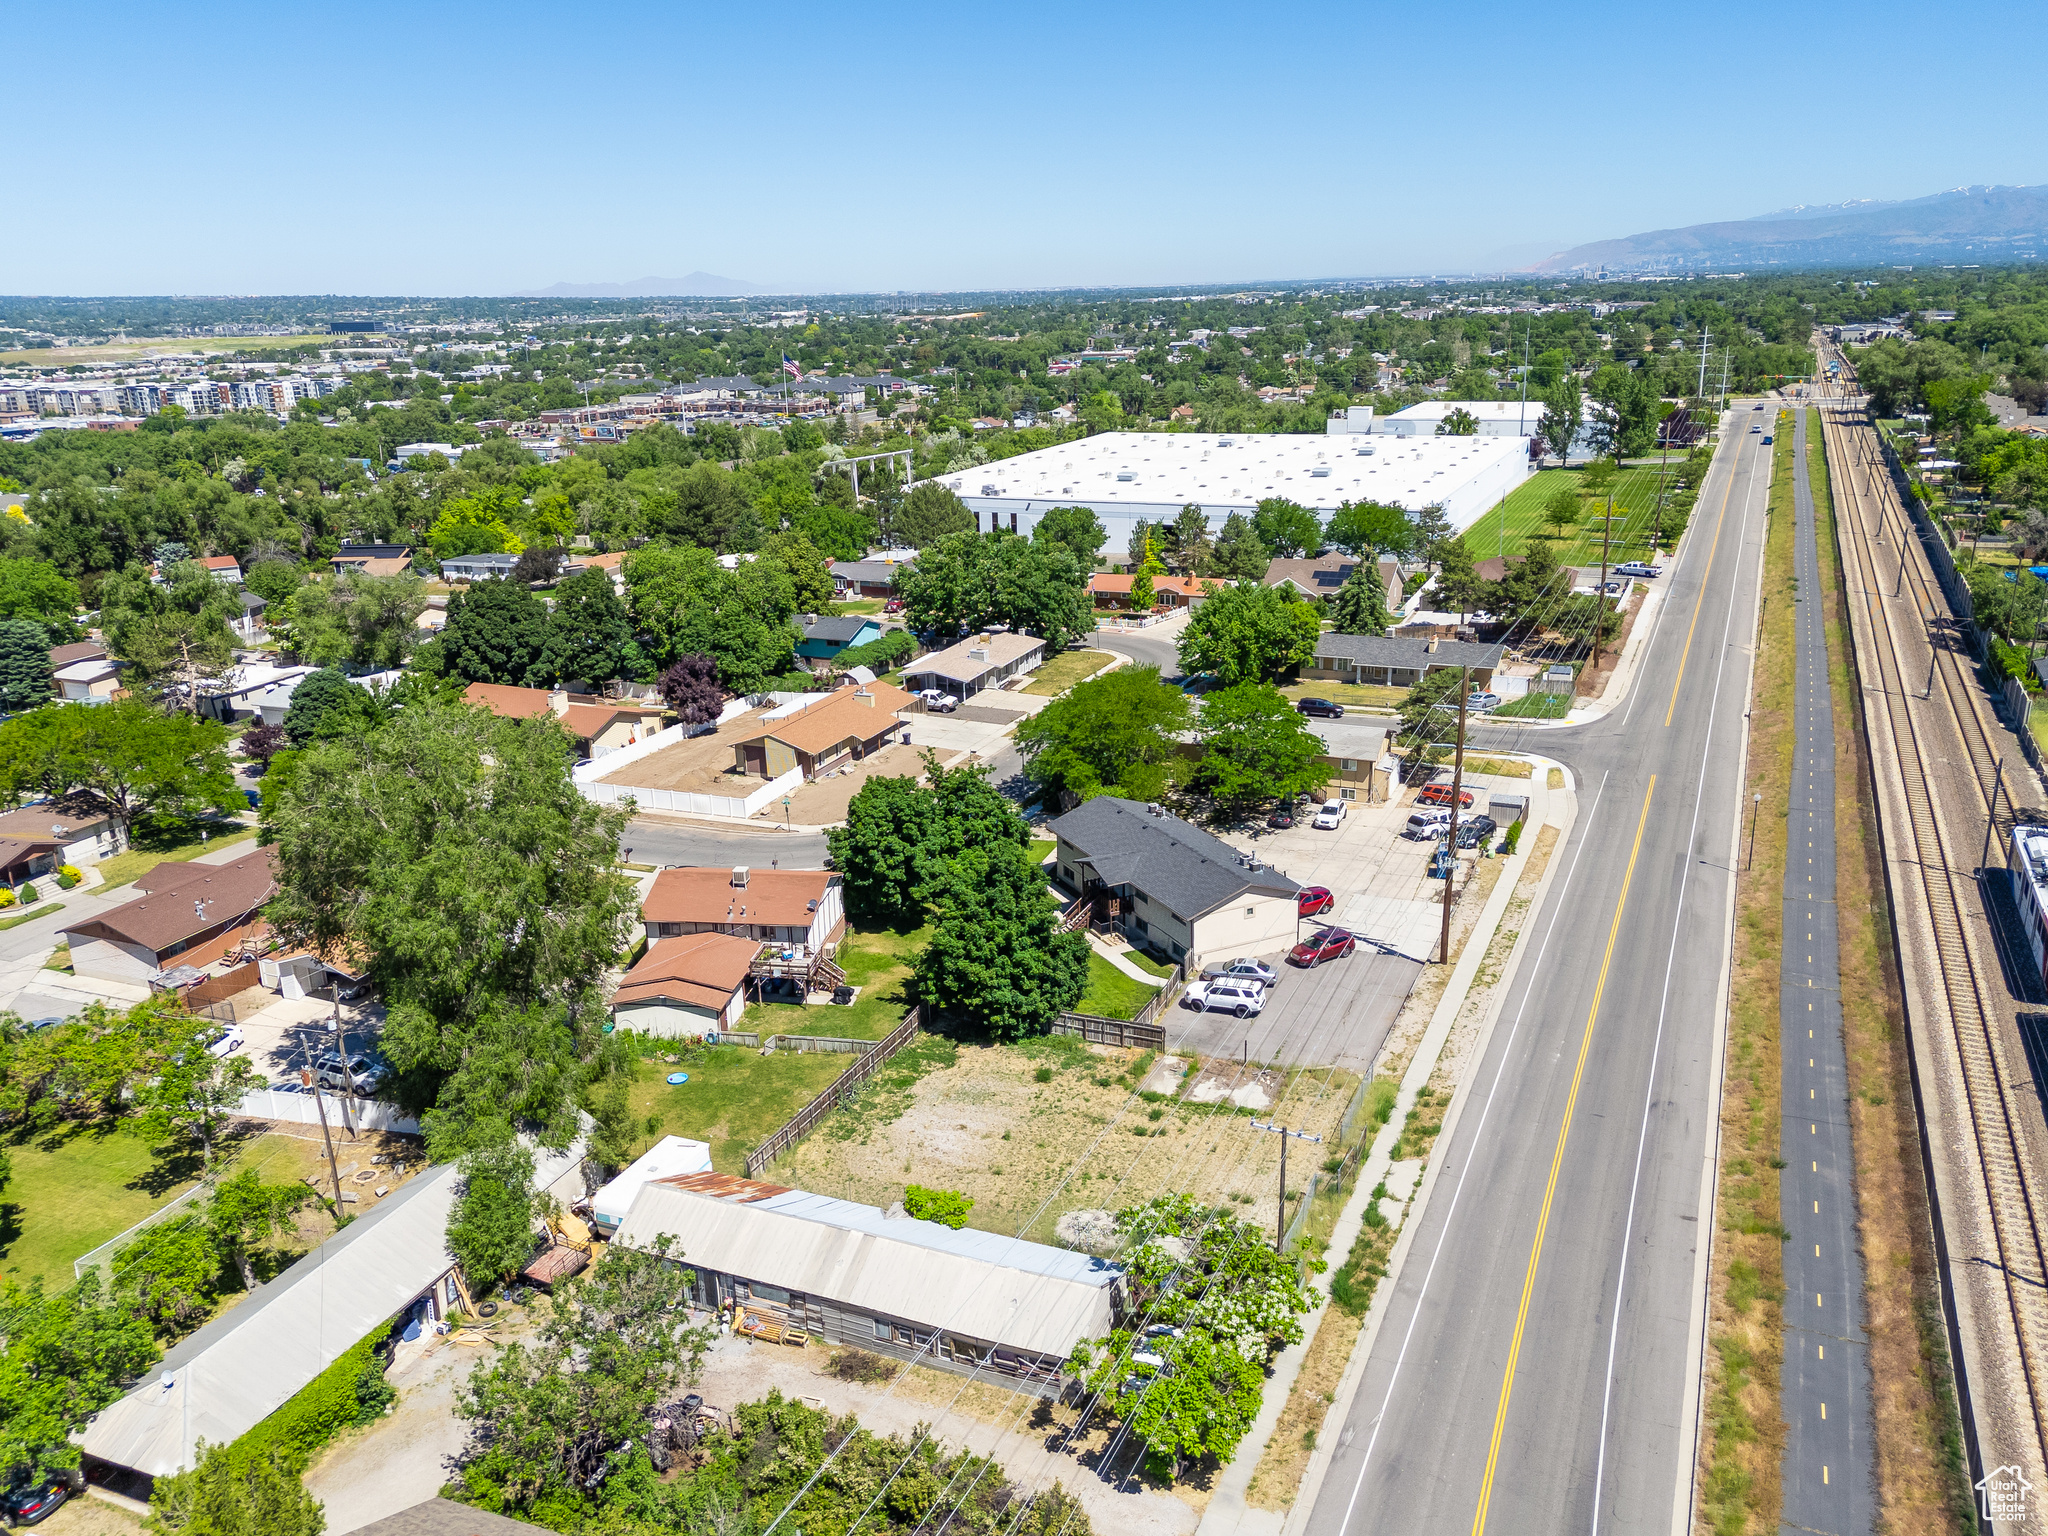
point(1457, 792)
point(1703, 363)
point(348, 1077)
point(311, 1079)
point(1280, 1222)
point(1724, 378)
point(1756, 806)
point(1600, 614)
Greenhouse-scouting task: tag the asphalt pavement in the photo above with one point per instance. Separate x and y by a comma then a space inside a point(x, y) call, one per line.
point(649, 841)
point(1536, 1366)
point(1830, 1467)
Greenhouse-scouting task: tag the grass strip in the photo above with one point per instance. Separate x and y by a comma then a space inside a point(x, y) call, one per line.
point(39, 909)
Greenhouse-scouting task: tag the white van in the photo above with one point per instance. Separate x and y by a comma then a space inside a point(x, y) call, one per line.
point(1427, 823)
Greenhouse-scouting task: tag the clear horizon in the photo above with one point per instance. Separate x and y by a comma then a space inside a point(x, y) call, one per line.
point(460, 151)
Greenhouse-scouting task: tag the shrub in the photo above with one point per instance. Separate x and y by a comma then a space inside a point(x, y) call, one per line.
point(1511, 837)
point(67, 877)
point(351, 1391)
point(892, 650)
point(942, 1205)
point(30, 893)
point(6, 897)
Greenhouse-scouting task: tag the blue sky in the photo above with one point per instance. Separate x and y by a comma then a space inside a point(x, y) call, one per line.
point(461, 148)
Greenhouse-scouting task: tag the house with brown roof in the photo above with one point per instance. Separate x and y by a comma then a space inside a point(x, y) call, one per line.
point(1323, 575)
point(193, 913)
point(822, 731)
point(799, 908)
point(373, 559)
point(599, 725)
point(1113, 591)
point(77, 827)
point(691, 985)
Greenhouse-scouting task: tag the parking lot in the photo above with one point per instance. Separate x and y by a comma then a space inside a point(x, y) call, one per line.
point(1336, 1014)
point(285, 1036)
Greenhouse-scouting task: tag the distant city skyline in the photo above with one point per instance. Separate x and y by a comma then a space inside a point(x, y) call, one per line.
point(459, 149)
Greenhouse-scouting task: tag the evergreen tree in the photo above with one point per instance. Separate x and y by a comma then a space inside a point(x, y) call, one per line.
point(1359, 607)
point(24, 665)
point(1240, 555)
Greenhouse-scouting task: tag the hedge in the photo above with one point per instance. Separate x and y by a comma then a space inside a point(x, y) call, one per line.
point(351, 1391)
point(892, 650)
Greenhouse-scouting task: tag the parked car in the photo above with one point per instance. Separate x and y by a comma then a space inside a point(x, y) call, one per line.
point(894, 605)
point(1614, 589)
point(1280, 820)
point(938, 702)
point(1474, 830)
point(363, 1075)
point(1426, 824)
point(1243, 998)
point(49, 1022)
point(1639, 568)
point(1322, 709)
point(254, 797)
point(1767, 439)
point(226, 1041)
point(34, 1502)
point(1329, 816)
point(352, 991)
point(1241, 970)
point(1312, 899)
point(1483, 701)
point(1440, 794)
point(1325, 944)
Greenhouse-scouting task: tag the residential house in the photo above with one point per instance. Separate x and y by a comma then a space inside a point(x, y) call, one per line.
point(798, 908)
point(224, 568)
point(246, 688)
point(188, 911)
point(1170, 886)
point(691, 985)
point(1391, 661)
point(613, 564)
point(93, 680)
point(791, 1264)
point(443, 1517)
point(489, 567)
point(824, 638)
point(1113, 591)
point(822, 731)
point(978, 662)
point(78, 827)
point(373, 559)
point(1353, 752)
point(599, 725)
point(872, 577)
point(1322, 576)
point(248, 623)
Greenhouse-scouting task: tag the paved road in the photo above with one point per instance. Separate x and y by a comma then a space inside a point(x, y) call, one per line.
point(1830, 1447)
point(679, 842)
point(1535, 1365)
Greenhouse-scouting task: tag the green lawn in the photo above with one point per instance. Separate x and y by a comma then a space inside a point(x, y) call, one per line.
point(865, 606)
point(1146, 963)
point(1041, 849)
point(1536, 706)
point(30, 913)
point(164, 841)
point(1067, 669)
point(1111, 993)
point(1361, 695)
point(1506, 530)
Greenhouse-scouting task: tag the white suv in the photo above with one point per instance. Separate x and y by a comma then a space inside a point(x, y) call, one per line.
point(1243, 998)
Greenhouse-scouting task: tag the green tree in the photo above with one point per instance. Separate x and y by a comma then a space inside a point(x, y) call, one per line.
point(1956, 405)
point(590, 636)
point(809, 572)
point(899, 837)
point(137, 760)
point(245, 1212)
point(1287, 529)
point(37, 591)
point(1429, 711)
point(1078, 528)
point(452, 849)
point(1563, 406)
point(1239, 554)
point(1561, 510)
point(1118, 733)
point(1461, 423)
point(930, 513)
point(497, 632)
point(25, 671)
point(273, 580)
point(476, 526)
point(169, 1274)
point(324, 705)
point(683, 602)
point(970, 580)
point(997, 958)
point(1184, 542)
point(1249, 634)
point(1255, 747)
point(1458, 586)
point(175, 657)
point(67, 1356)
point(490, 1227)
point(1369, 529)
point(1359, 607)
point(234, 1492)
point(193, 1090)
point(1627, 409)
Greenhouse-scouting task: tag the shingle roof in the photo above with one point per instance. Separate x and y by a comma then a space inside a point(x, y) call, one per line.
point(703, 969)
point(440, 1517)
point(1349, 738)
point(1387, 651)
point(509, 702)
point(1172, 861)
point(850, 714)
point(78, 650)
point(867, 570)
point(1322, 575)
point(170, 910)
point(844, 628)
point(699, 894)
point(957, 664)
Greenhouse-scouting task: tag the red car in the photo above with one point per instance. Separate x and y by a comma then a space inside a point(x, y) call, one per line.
point(1440, 794)
point(1329, 944)
point(894, 605)
point(1313, 899)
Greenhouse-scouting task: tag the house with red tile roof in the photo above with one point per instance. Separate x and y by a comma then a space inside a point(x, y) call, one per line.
point(599, 725)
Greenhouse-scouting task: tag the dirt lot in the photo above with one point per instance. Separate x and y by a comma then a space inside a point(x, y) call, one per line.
point(700, 766)
point(823, 801)
point(1028, 1151)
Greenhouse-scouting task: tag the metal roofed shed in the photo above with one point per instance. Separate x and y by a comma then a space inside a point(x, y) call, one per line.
point(854, 1274)
point(668, 1157)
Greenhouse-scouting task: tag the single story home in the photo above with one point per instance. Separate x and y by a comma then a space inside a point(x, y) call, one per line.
point(245, 688)
point(1353, 752)
point(613, 564)
point(692, 986)
point(94, 680)
point(78, 826)
point(978, 662)
point(488, 567)
point(769, 906)
point(872, 577)
point(1322, 576)
point(822, 731)
point(1169, 885)
point(191, 912)
point(824, 638)
point(248, 624)
point(390, 1265)
point(373, 559)
point(599, 725)
point(224, 568)
point(1391, 661)
point(665, 1159)
point(792, 1265)
point(1111, 591)
point(443, 1517)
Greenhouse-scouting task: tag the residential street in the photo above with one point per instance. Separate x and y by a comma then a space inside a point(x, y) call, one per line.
point(1535, 1367)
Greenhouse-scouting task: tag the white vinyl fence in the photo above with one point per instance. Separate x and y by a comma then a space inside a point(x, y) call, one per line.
point(298, 1108)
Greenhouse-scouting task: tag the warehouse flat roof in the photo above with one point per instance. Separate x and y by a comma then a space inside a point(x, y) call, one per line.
point(1238, 470)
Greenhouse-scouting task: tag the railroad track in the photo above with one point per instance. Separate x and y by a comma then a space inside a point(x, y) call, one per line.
point(2014, 1192)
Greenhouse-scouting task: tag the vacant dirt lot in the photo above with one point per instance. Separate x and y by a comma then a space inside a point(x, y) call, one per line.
point(700, 766)
point(1028, 1151)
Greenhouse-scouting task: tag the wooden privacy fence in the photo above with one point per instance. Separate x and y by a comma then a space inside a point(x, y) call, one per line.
point(1142, 1032)
point(799, 1124)
point(216, 989)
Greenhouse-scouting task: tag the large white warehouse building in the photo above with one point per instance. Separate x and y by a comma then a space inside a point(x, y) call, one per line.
point(1126, 476)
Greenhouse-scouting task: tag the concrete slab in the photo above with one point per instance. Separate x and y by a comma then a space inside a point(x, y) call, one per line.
point(1165, 1075)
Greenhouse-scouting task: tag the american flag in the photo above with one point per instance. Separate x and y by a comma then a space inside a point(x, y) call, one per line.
point(792, 370)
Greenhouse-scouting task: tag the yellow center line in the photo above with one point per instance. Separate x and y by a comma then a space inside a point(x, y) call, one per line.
point(1507, 1382)
point(1712, 549)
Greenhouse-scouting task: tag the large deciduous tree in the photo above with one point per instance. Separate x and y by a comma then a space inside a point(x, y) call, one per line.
point(490, 1228)
point(930, 513)
point(1239, 554)
point(997, 958)
point(133, 759)
point(497, 632)
point(1626, 410)
point(37, 591)
point(689, 685)
point(1563, 406)
point(1255, 747)
point(590, 636)
point(236, 1492)
point(1287, 529)
point(1368, 529)
point(1117, 734)
point(684, 602)
point(325, 704)
point(1078, 528)
point(972, 580)
point(900, 836)
point(1249, 634)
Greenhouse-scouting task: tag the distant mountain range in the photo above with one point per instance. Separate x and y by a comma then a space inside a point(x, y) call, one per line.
point(1969, 224)
point(698, 285)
